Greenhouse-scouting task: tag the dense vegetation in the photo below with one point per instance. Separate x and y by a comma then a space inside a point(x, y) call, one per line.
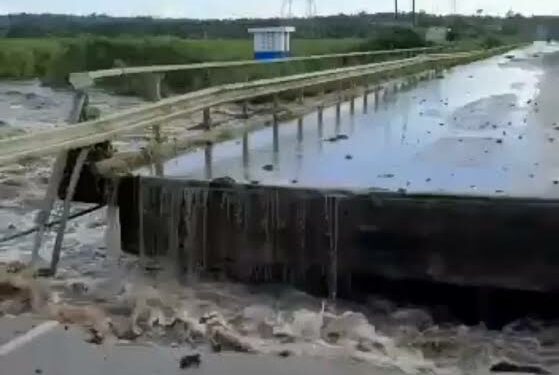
point(51, 46)
point(361, 25)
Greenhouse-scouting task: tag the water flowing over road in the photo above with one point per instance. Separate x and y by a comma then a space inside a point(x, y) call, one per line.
point(488, 128)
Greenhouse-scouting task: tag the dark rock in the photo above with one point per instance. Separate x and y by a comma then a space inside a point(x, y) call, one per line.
point(188, 361)
point(294, 182)
point(556, 182)
point(38, 371)
point(441, 123)
point(499, 141)
point(508, 367)
point(428, 180)
point(386, 175)
point(349, 157)
point(268, 167)
point(520, 137)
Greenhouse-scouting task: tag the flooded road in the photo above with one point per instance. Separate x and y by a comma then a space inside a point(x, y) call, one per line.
point(483, 128)
point(488, 128)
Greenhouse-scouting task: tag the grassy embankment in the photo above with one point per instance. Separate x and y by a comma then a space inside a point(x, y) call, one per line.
point(52, 59)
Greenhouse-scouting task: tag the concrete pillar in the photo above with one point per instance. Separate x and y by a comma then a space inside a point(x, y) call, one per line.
point(207, 121)
point(366, 101)
point(320, 114)
point(151, 83)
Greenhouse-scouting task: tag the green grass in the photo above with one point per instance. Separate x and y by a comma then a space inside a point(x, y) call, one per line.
point(54, 58)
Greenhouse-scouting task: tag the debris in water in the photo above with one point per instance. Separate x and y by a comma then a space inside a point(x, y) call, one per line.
point(508, 367)
point(349, 157)
point(188, 361)
point(339, 137)
point(255, 182)
point(268, 167)
point(428, 180)
point(441, 123)
point(285, 354)
point(38, 371)
point(294, 182)
point(96, 338)
point(386, 175)
point(499, 141)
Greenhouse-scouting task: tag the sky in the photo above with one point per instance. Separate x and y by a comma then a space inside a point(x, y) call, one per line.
point(265, 8)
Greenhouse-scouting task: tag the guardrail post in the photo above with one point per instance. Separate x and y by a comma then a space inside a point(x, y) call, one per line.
point(275, 108)
point(245, 109)
point(152, 86)
point(246, 157)
point(301, 97)
point(207, 121)
point(208, 158)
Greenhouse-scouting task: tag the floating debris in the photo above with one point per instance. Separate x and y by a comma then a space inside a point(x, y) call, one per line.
point(294, 181)
point(499, 141)
point(386, 175)
point(268, 167)
point(349, 157)
point(188, 361)
point(339, 137)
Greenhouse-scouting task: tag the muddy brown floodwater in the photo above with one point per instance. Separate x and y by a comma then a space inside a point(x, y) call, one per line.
point(484, 128)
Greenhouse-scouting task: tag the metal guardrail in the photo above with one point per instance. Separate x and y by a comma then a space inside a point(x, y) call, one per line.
point(85, 79)
point(88, 133)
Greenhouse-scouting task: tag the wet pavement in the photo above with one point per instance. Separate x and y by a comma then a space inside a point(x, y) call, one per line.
point(488, 128)
point(61, 350)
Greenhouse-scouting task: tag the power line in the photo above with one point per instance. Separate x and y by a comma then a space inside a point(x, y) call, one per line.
point(287, 8)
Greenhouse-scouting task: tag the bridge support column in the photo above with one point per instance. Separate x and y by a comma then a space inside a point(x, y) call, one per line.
point(152, 86)
point(365, 101)
point(320, 114)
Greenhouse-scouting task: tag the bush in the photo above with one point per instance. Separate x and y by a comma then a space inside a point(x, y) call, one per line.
point(491, 42)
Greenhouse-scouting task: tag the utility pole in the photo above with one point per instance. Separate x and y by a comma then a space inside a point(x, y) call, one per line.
point(414, 15)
